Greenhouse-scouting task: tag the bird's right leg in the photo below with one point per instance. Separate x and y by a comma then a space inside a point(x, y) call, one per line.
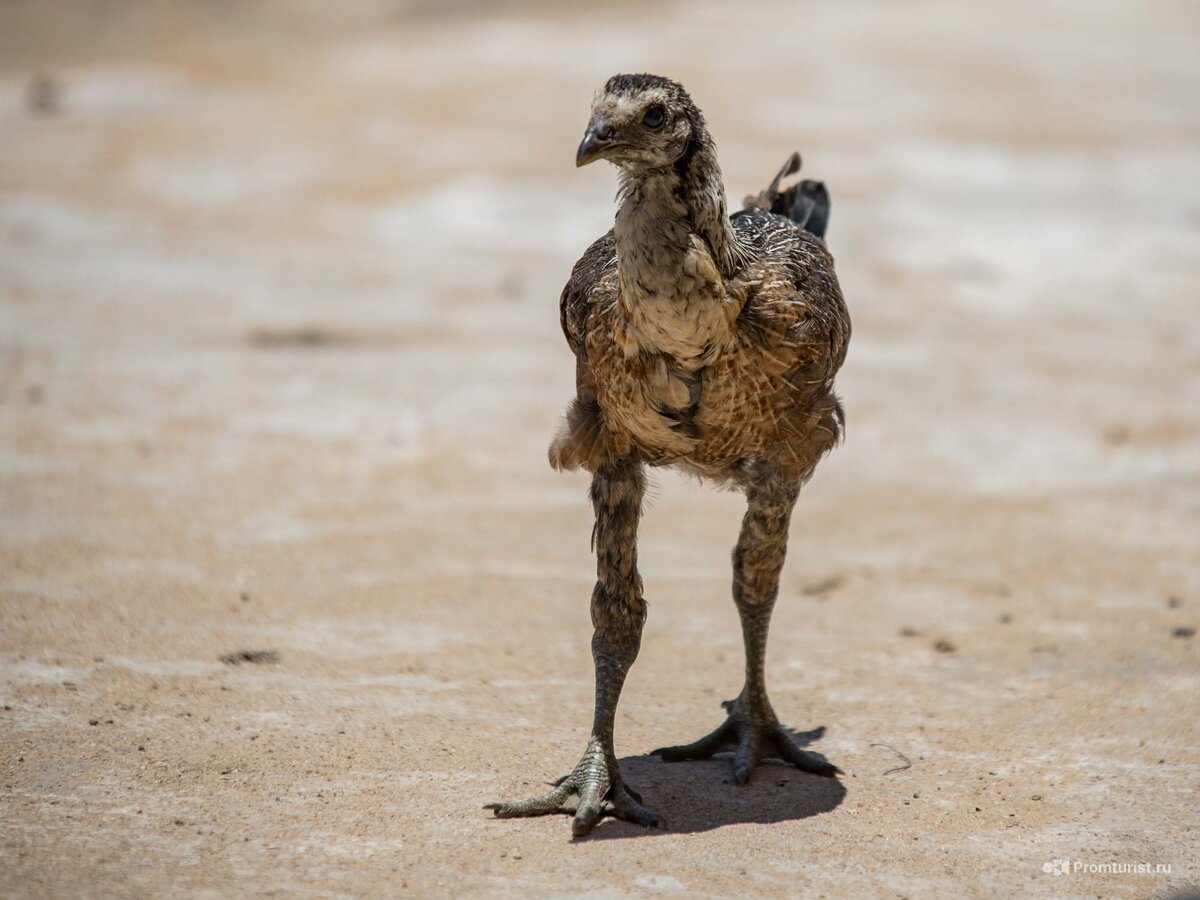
point(595, 786)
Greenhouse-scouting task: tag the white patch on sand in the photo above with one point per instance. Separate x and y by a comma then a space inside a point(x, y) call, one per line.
point(114, 253)
point(216, 181)
point(517, 570)
point(62, 224)
point(30, 671)
point(345, 846)
point(1034, 248)
point(334, 639)
point(485, 214)
point(393, 695)
point(107, 431)
point(293, 680)
point(274, 527)
point(41, 587)
point(112, 91)
point(166, 668)
point(660, 883)
point(534, 682)
point(1079, 630)
point(177, 570)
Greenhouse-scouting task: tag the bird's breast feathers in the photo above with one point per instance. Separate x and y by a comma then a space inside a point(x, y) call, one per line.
point(678, 306)
point(678, 368)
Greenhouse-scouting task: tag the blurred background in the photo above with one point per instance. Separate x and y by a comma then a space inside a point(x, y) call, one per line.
point(288, 590)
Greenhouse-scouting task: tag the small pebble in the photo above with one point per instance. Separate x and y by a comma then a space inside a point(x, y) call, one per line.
point(44, 94)
point(1184, 631)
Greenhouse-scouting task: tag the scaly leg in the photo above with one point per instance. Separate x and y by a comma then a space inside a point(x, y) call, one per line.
point(618, 612)
point(752, 730)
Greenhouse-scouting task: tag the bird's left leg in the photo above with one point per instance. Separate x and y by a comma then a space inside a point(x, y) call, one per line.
point(752, 730)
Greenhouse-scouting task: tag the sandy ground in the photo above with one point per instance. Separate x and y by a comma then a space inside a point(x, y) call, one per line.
point(279, 360)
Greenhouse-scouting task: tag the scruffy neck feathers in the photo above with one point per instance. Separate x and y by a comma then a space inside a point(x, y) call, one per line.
point(689, 194)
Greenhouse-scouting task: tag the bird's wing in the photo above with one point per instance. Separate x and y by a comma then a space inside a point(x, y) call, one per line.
point(583, 440)
point(797, 300)
point(576, 301)
point(796, 316)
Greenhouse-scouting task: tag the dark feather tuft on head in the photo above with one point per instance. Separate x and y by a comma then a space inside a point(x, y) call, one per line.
point(634, 84)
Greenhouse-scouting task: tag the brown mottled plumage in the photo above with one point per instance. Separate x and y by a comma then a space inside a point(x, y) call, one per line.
point(705, 342)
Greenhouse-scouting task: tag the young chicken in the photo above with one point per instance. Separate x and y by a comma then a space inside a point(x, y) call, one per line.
point(706, 342)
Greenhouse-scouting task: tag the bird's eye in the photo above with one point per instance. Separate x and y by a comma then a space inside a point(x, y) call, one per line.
point(654, 117)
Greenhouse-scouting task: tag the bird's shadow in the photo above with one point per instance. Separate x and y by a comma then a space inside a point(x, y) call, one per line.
point(700, 795)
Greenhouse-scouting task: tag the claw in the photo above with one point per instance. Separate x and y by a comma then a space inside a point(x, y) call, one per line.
point(600, 793)
point(752, 739)
point(714, 742)
point(802, 759)
point(591, 793)
point(585, 820)
point(627, 805)
point(535, 806)
point(749, 752)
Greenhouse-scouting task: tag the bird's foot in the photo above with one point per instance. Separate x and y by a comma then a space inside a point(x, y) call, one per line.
point(592, 790)
point(752, 734)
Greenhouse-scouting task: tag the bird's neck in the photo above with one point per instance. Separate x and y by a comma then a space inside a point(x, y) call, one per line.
point(661, 209)
point(676, 254)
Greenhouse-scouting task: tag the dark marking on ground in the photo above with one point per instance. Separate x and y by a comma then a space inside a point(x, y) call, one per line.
point(825, 586)
point(257, 657)
point(321, 337)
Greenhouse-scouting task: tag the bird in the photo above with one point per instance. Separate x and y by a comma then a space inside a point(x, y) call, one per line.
point(708, 343)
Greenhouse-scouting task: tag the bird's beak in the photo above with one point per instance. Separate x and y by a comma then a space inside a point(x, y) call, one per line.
point(597, 141)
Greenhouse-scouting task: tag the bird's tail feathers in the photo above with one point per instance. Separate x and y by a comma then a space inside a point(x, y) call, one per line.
point(806, 202)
